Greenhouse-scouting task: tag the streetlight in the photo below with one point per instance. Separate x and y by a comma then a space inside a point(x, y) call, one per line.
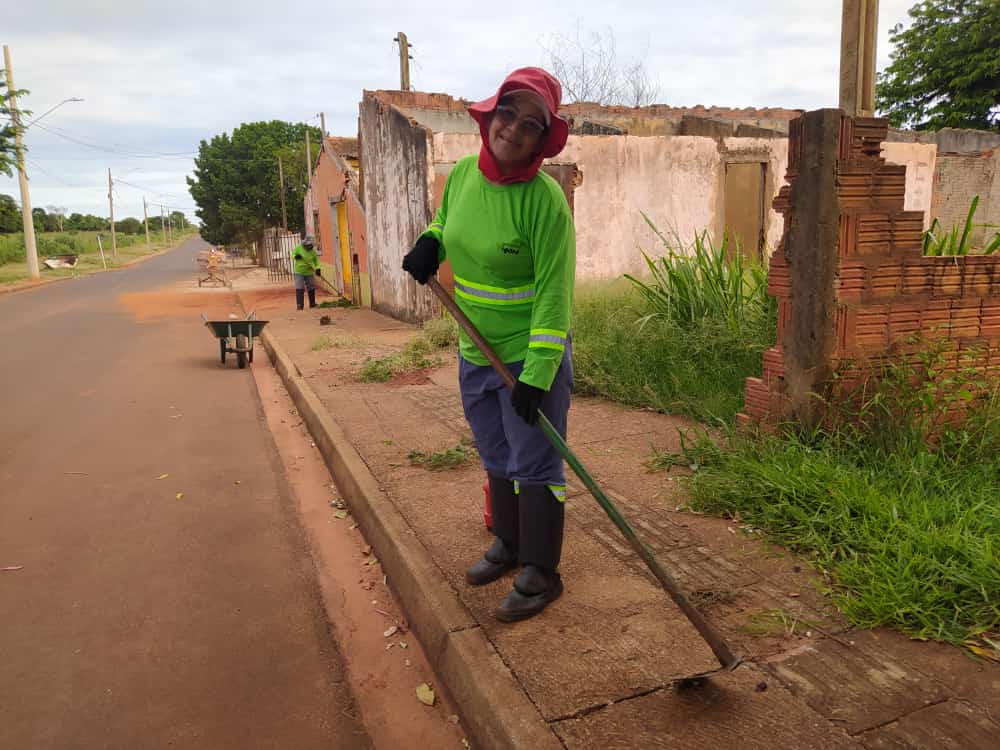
point(53, 109)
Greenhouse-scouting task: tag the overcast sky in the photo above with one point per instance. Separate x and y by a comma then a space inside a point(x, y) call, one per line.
point(157, 78)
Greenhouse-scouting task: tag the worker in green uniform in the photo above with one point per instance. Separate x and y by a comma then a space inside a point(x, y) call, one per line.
point(305, 266)
point(507, 230)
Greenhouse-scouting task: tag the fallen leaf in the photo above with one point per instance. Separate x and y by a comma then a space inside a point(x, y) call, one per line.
point(237, 481)
point(12, 567)
point(371, 561)
point(403, 644)
point(162, 476)
point(390, 631)
point(389, 645)
point(983, 652)
point(341, 514)
point(180, 495)
point(425, 694)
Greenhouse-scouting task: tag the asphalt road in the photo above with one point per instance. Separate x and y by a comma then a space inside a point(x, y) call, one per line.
point(140, 619)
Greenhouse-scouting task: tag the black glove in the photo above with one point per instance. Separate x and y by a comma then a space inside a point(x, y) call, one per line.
point(526, 400)
point(297, 256)
point(422, 261)
point(319, 272)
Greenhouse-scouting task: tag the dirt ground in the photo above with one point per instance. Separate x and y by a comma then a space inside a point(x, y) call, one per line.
point(613, 643)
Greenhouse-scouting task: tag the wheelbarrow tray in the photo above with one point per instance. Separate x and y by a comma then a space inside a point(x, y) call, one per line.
point(225, 329)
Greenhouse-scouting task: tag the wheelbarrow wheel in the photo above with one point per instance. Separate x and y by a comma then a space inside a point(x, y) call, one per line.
point(222, 350)
point(241, 353)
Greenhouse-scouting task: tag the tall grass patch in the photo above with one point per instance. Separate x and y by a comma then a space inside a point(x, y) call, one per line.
point(683, 337)
point(899, 503)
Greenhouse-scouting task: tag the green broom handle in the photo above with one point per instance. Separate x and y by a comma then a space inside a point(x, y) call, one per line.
point(715, 641)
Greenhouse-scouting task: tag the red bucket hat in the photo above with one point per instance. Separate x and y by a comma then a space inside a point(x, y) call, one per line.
point(545, 86)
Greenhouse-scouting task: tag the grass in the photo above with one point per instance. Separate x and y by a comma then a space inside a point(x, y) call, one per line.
point(418, 354)
point(449, 458)
point(339, 302)
point(326, 341)
point(83, 244)
point(682, 340)
point(898, 504)
point(937, 242)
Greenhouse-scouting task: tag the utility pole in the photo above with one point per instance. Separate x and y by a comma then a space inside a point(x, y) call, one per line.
point(309, 161)
point(404, 61)
point(111, 205)
point(170, 229)
point(322, 123)
point(27, 218)
point(163, 223)
point(858, 37)
point(145, 220)
point(281, 183)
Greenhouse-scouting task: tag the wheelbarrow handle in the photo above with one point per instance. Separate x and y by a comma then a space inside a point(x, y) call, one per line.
point(714, 640)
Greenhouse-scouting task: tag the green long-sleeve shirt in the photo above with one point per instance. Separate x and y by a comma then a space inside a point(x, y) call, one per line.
point(304, 260)
point(512, 249)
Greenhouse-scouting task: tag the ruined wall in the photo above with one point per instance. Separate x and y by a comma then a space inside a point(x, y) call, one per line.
point(676, 180)
point(857, 297)
point(398, 184)
point(957, 180)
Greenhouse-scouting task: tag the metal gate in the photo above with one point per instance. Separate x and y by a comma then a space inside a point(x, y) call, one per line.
point(274, 252)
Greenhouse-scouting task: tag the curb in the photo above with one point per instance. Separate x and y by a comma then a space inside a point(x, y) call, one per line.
point(496, 712)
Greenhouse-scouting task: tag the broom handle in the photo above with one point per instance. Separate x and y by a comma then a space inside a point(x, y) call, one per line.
point(715, 641)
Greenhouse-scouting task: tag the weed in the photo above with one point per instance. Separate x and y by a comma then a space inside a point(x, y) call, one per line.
point(937, 242)
point(442, 332)
point(321, 343)
point(450, 458)
point(898, 504)
point(418, 354)
point(339, 302)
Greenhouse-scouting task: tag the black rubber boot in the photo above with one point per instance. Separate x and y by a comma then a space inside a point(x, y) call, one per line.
point(502, 554)
point(300, 298)
point(312, 298)
point(541, 520)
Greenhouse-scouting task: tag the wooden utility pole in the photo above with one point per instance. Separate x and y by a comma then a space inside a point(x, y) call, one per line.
point(111, 206)
point(27, 218)
point(145, 220)
point(858, 37)
point(404, 61)
point(281, 183)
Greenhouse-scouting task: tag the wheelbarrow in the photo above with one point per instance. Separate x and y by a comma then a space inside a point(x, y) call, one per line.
point(240, 332)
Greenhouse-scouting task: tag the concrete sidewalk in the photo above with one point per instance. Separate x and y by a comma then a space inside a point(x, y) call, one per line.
point(594, 670)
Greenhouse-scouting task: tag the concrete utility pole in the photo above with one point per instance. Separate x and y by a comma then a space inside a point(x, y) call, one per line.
point(111, 205)
point(322, 123)
point(404, 61)
point(309, 161)
point(145, 220)
point(27, 218)
point(858, 38)
point(281, 183)
point(163, 223)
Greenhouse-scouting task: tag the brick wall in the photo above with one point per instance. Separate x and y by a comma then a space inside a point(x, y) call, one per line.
point(885, 292)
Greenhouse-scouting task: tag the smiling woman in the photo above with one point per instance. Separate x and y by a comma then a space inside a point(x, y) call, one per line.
point(508, 233)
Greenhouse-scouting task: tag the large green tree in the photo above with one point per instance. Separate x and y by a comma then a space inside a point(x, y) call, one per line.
point(236, 184)
point(945, 69)
point(10, 215)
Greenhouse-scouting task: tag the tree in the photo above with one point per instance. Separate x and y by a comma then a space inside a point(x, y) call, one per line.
point(8, 128)
point(586, 64)
point(59, 212)
point(236, 185)
point(129, 225)
point(10, 215)
point(945, 69)
point(178, 219)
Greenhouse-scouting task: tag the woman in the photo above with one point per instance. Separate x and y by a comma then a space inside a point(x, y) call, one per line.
point(304, 267)
point(508, 232)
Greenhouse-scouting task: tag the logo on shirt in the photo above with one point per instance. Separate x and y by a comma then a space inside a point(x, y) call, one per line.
point(508, 250)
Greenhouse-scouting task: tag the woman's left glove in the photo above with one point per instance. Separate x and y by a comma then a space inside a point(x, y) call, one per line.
point(526, 400)
point(319, 272)
point(422, 261)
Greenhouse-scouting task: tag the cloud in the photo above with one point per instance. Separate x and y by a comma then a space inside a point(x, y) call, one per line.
point(157, 79)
